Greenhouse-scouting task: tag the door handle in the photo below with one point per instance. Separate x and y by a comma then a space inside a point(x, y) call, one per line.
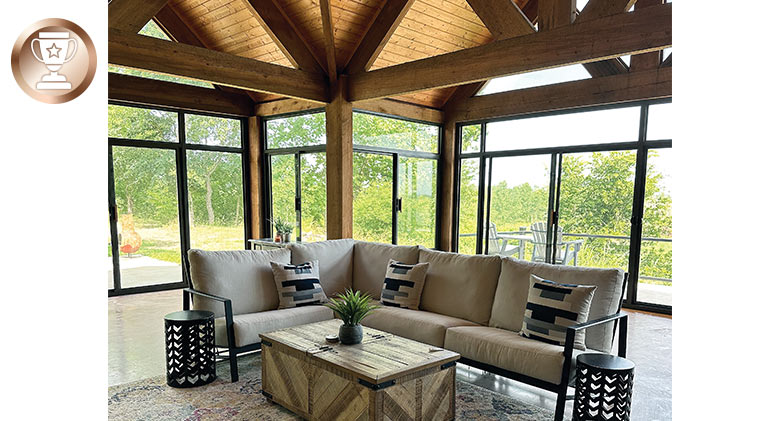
point(399, 205)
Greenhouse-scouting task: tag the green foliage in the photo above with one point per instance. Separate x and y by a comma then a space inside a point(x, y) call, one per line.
point(282, 226)
point(372, 130)
point(352, 306)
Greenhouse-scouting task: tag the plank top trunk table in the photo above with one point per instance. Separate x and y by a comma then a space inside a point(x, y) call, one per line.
point(386, 377)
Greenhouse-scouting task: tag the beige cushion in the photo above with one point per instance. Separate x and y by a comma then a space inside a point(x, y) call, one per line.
point(418, 325)
point(460, 285)
point(403, 284)
point(243, 276)
point(370, 262)
point(298, 285)
point(247, 327)
point(508, 350)
point(335, 258)
point(512, 295)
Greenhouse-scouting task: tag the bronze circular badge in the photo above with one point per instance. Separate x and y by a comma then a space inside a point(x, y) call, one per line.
point(53, 60)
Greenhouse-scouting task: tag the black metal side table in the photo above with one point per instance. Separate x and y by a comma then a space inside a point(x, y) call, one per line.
point(191, 358)
point(603, 388)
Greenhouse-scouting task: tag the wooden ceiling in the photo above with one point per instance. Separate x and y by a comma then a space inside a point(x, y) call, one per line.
point(428, 28)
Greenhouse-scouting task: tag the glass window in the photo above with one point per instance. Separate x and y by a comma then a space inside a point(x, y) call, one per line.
point(602, 126)
point(372, 185)
point(372, 130)
point(467, 210)
point(216, 200)
point(417, 192)
point(533, 79)
point(655, 266)
point(313, 197)
point(142, 124)
point(283, 190)
point(151, 29)
point(205, 130)
point(470, 138)
point(148, 216)
point(659, 122)
point(302, 130)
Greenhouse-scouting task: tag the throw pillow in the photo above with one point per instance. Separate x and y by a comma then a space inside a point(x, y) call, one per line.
point(298, 285)
point(552, 307)
point(403, 284)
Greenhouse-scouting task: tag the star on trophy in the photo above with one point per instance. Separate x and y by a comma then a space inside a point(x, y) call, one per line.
point(53, 47)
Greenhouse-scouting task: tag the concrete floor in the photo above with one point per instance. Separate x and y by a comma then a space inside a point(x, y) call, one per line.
point(136, 351)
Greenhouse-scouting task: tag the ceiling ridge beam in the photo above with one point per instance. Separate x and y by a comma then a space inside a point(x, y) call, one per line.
point(379, 32)
point(132, 15)
point(138, 90)
point(199, 63)
point(628, 33)
point(637, 86)
point(281, 30)
point(330, 42)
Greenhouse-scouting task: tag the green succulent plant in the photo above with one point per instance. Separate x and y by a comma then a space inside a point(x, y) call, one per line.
point(352, 306)
point(282, 226)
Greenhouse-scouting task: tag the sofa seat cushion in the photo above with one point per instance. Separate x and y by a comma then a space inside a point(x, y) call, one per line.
point(243, 276)
point(335, 260)
point(508, 350)
point(247, 327)
point(422, 326)
point(460, 285)
point(370, 262)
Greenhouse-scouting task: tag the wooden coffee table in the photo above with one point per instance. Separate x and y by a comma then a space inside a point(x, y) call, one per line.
point(385, 377)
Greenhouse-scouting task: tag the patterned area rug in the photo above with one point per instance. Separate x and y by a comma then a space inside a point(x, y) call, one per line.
point(153, 400)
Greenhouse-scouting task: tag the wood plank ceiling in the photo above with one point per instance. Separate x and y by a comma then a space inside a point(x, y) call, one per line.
point(429, 28)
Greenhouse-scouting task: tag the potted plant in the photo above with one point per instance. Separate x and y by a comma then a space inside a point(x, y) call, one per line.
point(351, 307)
point(283, 228)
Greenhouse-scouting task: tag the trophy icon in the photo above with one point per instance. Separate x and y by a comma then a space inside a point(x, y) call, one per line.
point(53, 48)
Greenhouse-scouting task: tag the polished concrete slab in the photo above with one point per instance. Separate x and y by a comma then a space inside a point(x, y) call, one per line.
point(136, 351)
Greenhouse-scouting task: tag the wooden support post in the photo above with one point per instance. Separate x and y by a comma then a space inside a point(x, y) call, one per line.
point(338, 159)
point(255, 177)
point(447, 192)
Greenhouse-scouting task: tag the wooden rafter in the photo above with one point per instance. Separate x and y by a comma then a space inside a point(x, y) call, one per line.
point(330, 42)
point(649, 60)
point(383, 106)
point(278, 25)
point(160, 56)
point(377, 36)
point(502, 18)
point(628, 33)
point(556, 13)
point(649, 84)
point(132, 15)
point(598, 9)
point(138, 90)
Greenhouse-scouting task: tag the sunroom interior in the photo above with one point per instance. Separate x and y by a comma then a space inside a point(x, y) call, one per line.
point(535, 129)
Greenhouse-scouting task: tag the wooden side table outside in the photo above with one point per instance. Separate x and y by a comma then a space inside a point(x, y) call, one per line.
point(385, 377)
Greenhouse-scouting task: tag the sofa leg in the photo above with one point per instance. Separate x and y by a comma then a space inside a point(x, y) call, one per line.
point(560, 404)
point(233, 366)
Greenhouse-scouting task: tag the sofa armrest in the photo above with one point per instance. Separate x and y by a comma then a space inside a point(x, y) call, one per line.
point(568, 349)
point(188, 292)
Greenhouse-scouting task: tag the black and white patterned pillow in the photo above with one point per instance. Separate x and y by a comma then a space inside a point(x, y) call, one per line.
point(552, 307)
point(298, 285)
point(403, 284)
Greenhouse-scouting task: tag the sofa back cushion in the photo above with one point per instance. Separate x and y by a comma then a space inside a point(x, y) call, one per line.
point(460, 285)
point(335, 260)
point(512, 295)
point(243, 276)
point(370, 264)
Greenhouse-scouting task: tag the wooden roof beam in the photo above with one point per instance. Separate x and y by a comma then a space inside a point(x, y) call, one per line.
point(598, 9)
point(382, 106)
point(649, 84)
point(330, 42)
point(644, 30)
point(138, 90)
point(556, 13)
point(177, 59)
point(380, 31)
point(651, 60)
point(279, 27)
point(132, 15)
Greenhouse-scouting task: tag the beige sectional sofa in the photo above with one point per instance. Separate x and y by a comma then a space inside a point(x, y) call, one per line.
point(473, 305)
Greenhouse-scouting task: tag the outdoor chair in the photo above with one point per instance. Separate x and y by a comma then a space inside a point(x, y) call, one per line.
point(565, 251)
point(498, 245)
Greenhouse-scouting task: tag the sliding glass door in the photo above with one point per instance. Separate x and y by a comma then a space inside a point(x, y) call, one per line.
point(176, 181)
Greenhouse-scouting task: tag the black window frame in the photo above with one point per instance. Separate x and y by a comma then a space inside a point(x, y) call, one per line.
point(641, 145)
point(180, 148)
